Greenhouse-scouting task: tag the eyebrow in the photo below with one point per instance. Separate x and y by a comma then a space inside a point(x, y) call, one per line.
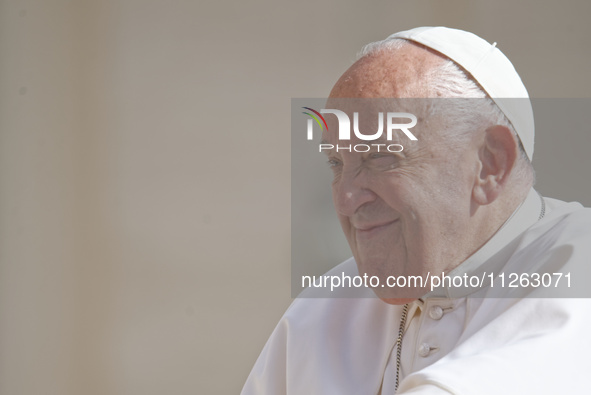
point(328, 151)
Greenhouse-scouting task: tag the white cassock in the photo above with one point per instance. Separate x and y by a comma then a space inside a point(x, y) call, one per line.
point(456, 341)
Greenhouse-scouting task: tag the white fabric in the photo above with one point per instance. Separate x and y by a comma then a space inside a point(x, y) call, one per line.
point(472, 345)
point(489, 67)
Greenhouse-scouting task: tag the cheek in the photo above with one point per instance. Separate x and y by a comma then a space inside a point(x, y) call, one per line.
point(345, 224)
point(347, 229)
point(420, 209)
point(397, 192)
point(458, 176)
point(454, 197)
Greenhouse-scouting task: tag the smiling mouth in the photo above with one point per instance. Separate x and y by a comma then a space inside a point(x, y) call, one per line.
point(369, 231)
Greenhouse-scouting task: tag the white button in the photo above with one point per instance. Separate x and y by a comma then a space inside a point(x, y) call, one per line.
point(424, 350)
point(436, 312)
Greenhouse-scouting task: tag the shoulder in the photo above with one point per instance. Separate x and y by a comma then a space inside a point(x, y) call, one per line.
point(551, 258)
point(320, 330)
point(317, 310)
point(565, 216)
point(532, 346)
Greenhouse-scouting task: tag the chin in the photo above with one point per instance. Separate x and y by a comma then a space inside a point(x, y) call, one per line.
point(397, 301)
point(399, 296)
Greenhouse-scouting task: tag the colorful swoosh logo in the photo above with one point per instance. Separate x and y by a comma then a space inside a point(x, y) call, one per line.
point(315, 117)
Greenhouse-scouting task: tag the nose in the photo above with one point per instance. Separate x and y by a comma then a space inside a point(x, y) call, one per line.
point(351, 191)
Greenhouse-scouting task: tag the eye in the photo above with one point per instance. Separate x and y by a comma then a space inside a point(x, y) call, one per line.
point(382, 160)
point(332, 162)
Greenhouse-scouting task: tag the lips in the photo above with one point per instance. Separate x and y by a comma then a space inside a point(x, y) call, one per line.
point(369, 230)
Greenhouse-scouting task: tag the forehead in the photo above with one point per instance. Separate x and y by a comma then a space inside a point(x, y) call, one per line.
point(388, 81)
point(393, 120)
point(395, 74)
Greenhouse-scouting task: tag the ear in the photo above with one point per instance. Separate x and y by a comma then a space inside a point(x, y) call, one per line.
point(497, 156)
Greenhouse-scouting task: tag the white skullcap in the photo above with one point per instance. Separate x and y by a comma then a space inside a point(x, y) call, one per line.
point(489, 67)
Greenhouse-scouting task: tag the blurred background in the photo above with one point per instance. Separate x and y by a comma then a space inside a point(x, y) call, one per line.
point(145, 171)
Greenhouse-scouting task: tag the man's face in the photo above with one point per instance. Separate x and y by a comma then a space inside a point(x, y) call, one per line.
point(404, 214)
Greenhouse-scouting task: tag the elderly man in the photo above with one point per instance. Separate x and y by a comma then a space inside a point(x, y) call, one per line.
point(458, 201)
